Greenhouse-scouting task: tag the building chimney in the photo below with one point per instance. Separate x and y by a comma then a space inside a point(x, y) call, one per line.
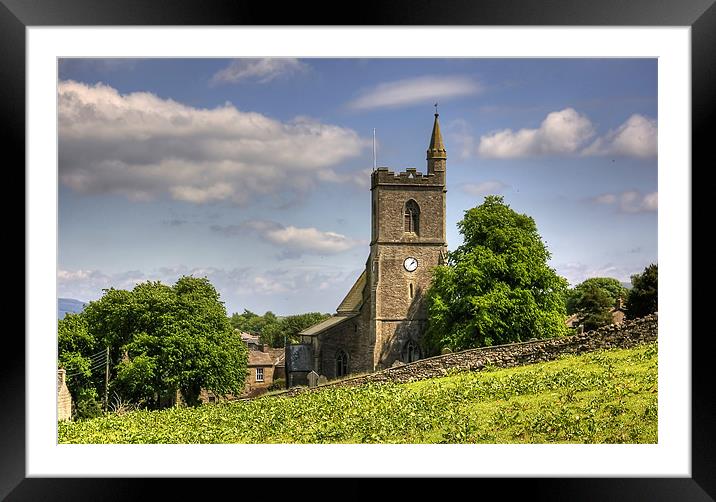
point(60, 378)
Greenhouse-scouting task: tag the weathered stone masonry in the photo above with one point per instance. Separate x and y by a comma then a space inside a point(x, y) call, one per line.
point(64, 399)
point(625, 335)
point(382, 318)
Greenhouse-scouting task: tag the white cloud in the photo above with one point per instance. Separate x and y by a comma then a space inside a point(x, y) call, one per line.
point(483, 188)
point(87, 285)
point(294, 241)
point(637, 137)
point(631, 201)
point(419, 90)
point(562, 132)
point(235, 286)
point(567, 132)
point(267, 285)
point(606, 198)
point(576, 273)
point(143, 147)
point(260, 70)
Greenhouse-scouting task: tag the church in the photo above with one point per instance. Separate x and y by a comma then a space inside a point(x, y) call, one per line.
point(383, 317)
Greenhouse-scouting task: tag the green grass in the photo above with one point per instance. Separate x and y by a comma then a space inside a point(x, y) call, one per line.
point(600, 397)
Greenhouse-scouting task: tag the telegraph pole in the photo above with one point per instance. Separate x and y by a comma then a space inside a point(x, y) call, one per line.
point(106, 380)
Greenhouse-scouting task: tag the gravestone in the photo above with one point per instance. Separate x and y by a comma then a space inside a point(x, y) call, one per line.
point(322, 379)
point(312, 379)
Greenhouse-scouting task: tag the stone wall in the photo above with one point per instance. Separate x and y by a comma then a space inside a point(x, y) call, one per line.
point(64, 399)
point(625, 335)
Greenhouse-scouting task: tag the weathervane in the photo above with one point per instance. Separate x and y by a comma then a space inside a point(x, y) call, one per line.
point(436, 108)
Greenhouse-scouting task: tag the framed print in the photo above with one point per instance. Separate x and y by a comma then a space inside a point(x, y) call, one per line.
point(46, 47)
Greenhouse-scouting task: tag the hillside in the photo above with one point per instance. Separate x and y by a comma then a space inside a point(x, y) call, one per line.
point(69, 305)
point(600, 397)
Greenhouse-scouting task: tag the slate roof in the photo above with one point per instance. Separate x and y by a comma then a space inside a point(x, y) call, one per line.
point(249, 338)
point(328, 323)
point(348, 308)
point(258, 358)
point(354, 299)
point(279, 356)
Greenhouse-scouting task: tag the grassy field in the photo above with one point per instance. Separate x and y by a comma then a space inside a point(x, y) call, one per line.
point(601, 397)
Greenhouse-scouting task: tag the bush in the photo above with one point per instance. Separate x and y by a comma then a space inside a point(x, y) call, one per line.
point(278, 384)
point(88, 404)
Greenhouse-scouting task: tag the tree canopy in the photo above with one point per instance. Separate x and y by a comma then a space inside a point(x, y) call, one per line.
point(611, 287)
point(594, 307)
point(496, 287)
point(644, 295)
point(593, 300)
point(161, 339)
point(272, 330)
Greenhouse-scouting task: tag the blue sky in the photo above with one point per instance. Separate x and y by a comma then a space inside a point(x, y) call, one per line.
point(255, 173)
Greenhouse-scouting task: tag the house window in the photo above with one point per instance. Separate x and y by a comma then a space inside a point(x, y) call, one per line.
point(212, 399)
point(411, 217)
point(259, 374)
point(341, 363)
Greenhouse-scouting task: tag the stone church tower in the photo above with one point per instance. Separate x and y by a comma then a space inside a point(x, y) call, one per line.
point(383, 317)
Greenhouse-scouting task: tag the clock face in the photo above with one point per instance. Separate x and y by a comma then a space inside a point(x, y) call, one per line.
point(410, 264)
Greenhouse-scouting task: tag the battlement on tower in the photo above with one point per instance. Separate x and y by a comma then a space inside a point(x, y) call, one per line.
point(411, 176)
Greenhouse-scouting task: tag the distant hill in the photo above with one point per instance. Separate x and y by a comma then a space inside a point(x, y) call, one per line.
point(65, 305)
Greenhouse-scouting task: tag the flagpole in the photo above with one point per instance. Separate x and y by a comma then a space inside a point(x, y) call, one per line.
point(374, 157)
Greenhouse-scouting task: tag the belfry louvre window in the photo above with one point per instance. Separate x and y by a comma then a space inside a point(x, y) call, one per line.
point(411, 216)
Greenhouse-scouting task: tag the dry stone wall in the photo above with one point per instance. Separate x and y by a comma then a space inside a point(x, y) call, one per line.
point(625, 335)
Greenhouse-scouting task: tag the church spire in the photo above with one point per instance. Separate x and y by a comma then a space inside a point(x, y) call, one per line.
point(436, 151)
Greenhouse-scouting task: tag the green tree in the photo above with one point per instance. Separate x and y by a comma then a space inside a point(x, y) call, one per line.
point(288, 328)
point(594, 307)
point(167, 338)
point(247, 322)
point(612, 287)
point(84, 362)
point(644, 295)
point(496, 287)
point(266, 326)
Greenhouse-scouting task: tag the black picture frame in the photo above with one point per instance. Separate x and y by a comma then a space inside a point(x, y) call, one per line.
point(700, 15)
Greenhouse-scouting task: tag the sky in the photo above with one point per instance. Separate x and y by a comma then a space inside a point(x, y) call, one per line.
point(255, 173)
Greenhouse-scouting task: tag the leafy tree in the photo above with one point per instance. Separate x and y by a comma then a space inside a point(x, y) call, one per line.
point(643, 297)
point(612, 287)
point(288, 328)
point(167, 338)
point(594, 307)
point(249, 322)
point(496, 287)
point(81, 357)
point(273, 330)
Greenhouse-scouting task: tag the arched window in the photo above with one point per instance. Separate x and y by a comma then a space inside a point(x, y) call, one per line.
point(411, 217)
point(341, 363)
point(411, 352)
